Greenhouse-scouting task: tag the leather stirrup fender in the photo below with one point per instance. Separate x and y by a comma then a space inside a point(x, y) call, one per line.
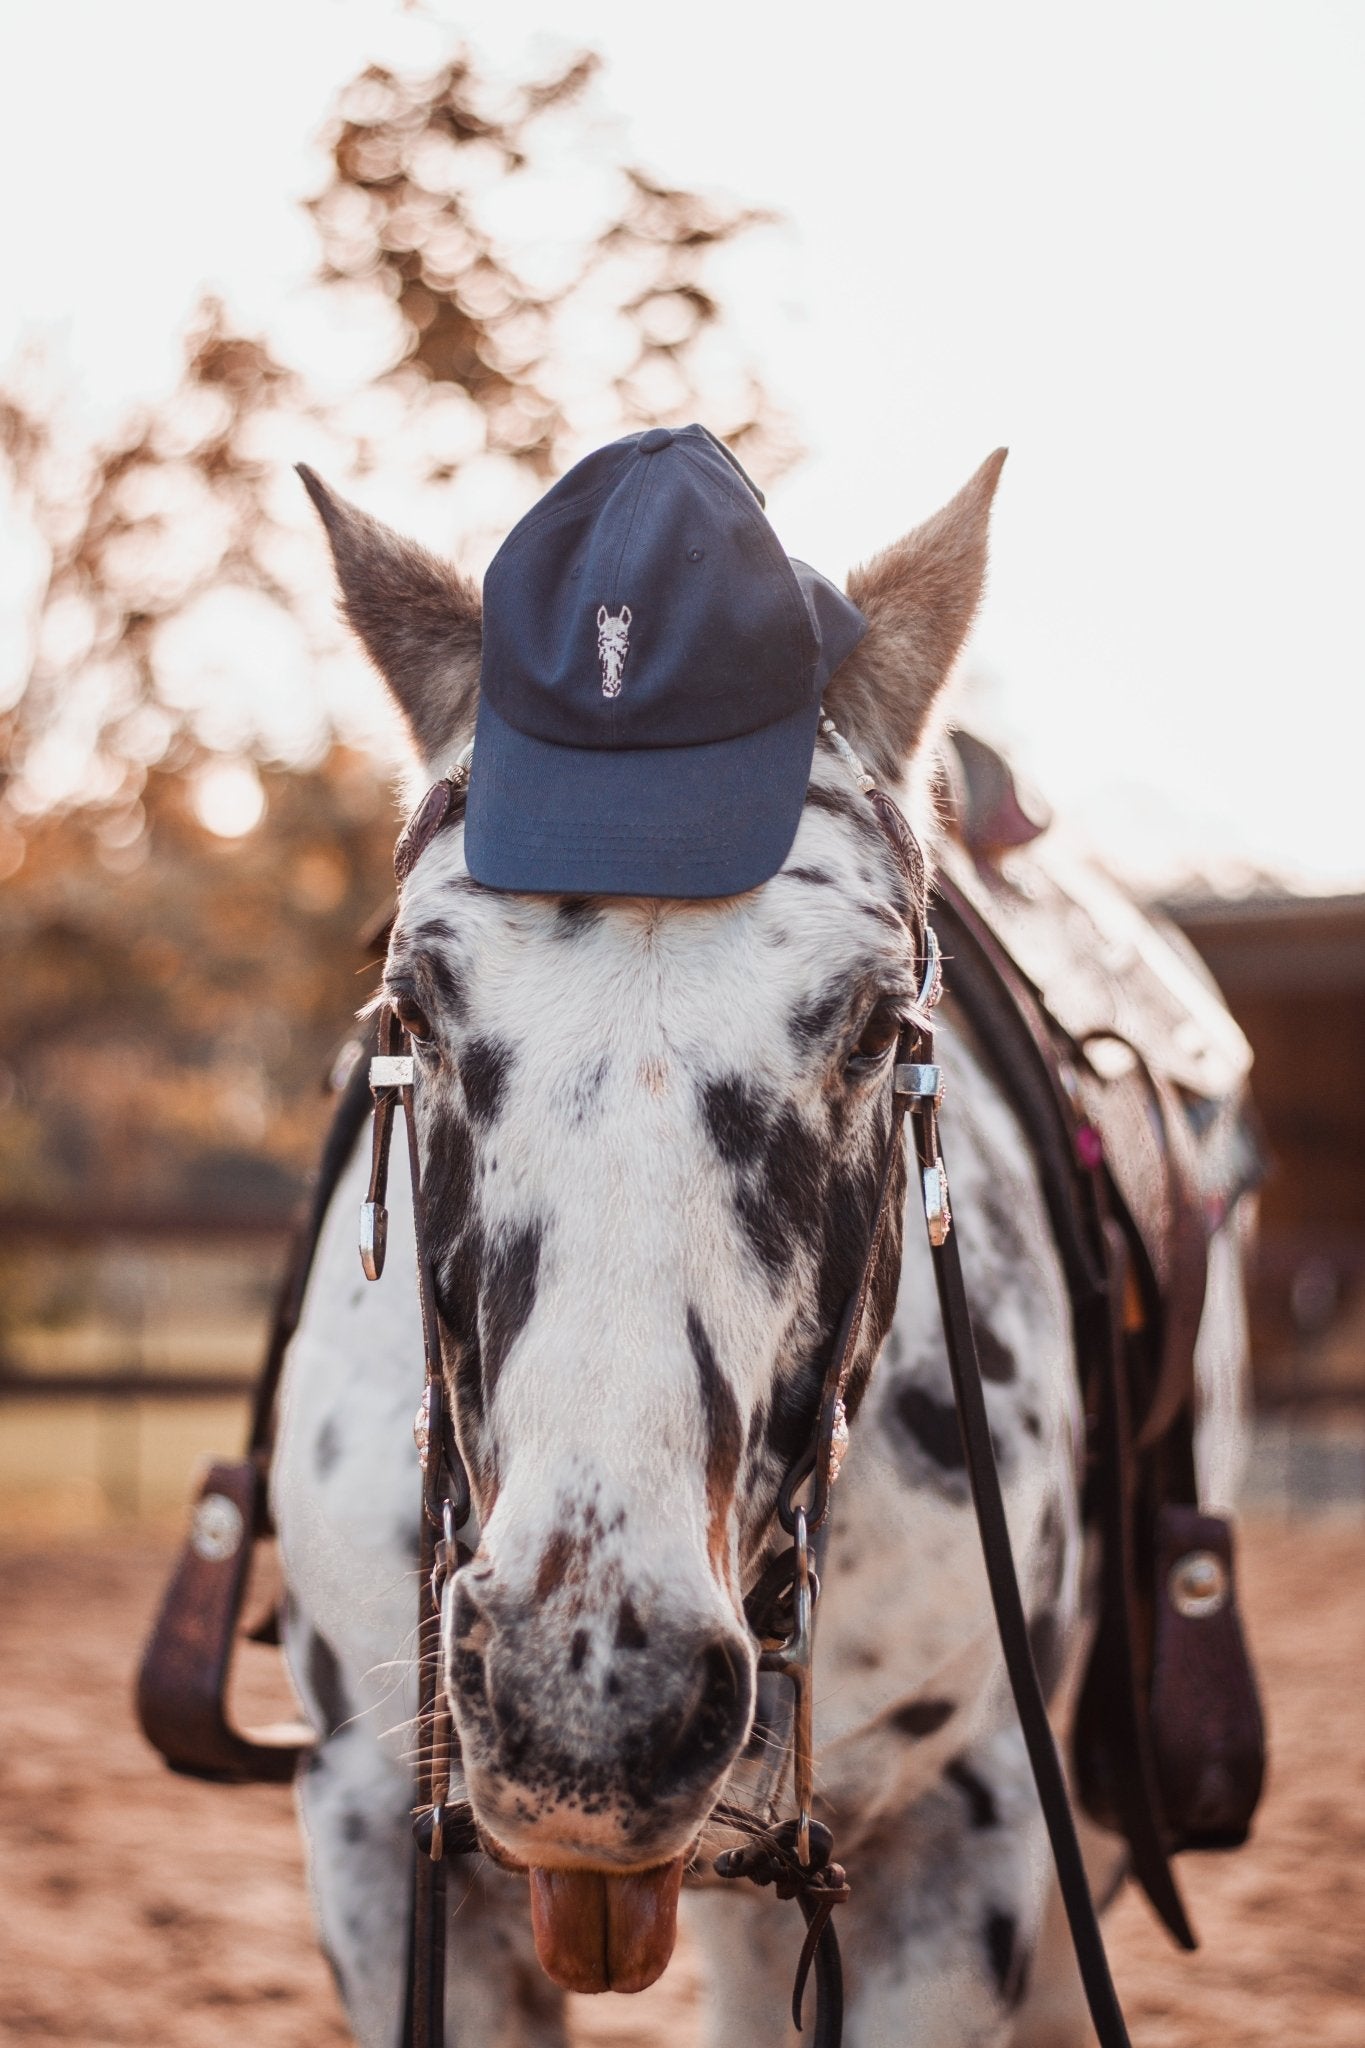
point(1208, 1736)
point(183, 1680)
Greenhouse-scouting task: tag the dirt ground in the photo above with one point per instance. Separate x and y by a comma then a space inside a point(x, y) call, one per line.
point(139, 1907)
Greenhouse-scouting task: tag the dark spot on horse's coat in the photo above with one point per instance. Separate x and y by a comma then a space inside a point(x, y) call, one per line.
point(918, 1718)
point(448, 1178)
point(781, 1201)
point(933, 1425)
point(1032, 1423)
point(577, 914)
point(325, 1686)
point(445, 978)
point(578, 1649)
point(589, 1085)
point(810, 1023)
point(469, 1678)
point(843, 804)
point(755, 1446)
point(981, 1807)
point(1045, 1641)
point(724, 1437)
point(779, 1165)
point(353, 1828)
point(792, 1416)
point(817, 877)
point(555, 1561)
point(613, 1686)
point(327, 1447)
point(1009, 1967)
point(995, 1356)
point(1000, 1216)
point(456, 1243)
point(737, 1117)
point(884, 916)
point(630, 1630)
point(1051, 1552)
point(484, 1067)
point(848, 1212)
point(511, 1269)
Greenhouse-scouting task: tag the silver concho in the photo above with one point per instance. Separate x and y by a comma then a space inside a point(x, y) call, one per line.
point(937, 1213)
point(1199, 1584)
point(217, 1528)
point(374, 1238)
point(421, 1427)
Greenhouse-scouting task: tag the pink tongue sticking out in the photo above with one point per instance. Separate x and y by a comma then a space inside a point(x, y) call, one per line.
point(596, 1932)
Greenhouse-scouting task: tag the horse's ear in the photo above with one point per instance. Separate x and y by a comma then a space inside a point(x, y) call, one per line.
point(418, 619)
point(919, 598)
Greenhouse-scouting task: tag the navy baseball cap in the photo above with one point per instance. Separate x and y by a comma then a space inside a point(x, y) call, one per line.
point(653, 664)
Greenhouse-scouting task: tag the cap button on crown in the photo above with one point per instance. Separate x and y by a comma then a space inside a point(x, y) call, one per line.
point(654, 440)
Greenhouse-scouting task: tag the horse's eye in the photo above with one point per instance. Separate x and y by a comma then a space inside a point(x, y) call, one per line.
point(411, 1015)
point(877, 1036)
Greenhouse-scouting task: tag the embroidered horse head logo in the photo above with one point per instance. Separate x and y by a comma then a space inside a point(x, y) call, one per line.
point(613, 644)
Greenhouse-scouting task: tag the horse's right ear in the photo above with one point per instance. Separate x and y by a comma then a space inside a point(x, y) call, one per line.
point(418, 619)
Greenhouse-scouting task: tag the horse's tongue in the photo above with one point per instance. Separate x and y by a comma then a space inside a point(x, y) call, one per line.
point(599, 1933)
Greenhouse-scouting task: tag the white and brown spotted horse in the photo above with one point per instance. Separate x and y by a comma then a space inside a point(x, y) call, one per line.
point(649, 1133)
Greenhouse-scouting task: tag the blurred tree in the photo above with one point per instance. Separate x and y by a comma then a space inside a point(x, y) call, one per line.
point(505, 293)
point(515, 294)
point(168, 1039)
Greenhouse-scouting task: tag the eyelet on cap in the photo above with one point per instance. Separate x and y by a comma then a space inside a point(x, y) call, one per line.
point(655, 439)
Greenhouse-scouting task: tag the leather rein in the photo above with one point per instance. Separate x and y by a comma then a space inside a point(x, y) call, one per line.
point(794, 1855)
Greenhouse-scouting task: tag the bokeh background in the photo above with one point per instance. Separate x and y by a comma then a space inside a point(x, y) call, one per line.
point(438, 252)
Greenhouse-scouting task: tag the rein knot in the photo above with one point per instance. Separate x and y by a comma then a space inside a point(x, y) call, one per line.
point(818, 1886)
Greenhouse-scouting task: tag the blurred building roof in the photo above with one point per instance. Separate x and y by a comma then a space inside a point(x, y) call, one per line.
point(1276, 942)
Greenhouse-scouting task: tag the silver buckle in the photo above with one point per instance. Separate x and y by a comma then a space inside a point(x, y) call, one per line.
point(921, 1083)
point(391, 1070)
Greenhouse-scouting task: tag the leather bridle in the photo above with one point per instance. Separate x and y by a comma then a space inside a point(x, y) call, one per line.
point(794, 1855)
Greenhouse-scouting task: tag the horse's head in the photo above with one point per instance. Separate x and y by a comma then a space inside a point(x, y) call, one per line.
point(650, 1134)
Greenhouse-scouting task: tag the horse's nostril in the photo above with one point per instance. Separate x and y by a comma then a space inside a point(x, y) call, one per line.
point(712, 1730)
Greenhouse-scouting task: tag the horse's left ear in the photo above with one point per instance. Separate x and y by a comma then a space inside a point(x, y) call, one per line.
point(418, 618)
point(919, 598)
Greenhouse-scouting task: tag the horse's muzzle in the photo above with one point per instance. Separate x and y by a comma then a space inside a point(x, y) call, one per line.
point(606, 1759)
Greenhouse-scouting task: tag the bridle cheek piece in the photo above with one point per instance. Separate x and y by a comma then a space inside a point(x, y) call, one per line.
point(796, 1855)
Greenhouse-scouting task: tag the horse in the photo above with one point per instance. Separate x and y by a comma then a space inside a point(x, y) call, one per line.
point(650, 1133)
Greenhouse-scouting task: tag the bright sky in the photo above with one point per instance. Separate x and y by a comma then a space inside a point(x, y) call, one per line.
point(1126, 241)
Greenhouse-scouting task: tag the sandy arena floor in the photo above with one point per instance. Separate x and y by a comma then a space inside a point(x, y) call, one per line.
point(138, 1907)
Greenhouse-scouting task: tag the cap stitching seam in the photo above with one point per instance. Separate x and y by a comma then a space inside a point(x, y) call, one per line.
point(777, 554)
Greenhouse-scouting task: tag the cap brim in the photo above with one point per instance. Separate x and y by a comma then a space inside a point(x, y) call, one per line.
point(710, 820)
